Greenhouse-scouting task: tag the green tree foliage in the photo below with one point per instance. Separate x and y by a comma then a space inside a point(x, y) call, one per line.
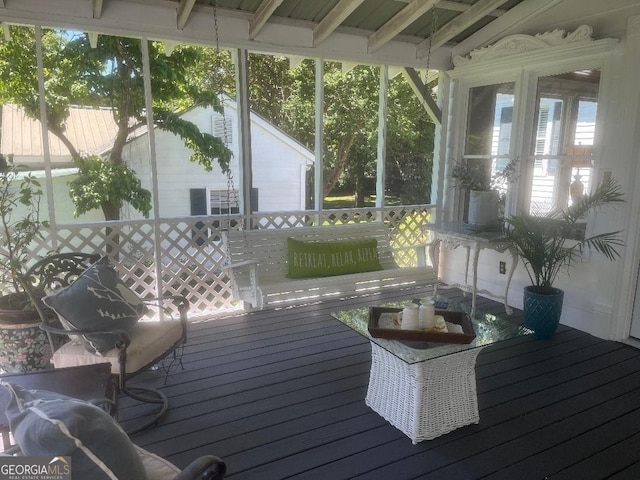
point(286, 97)
point(95, 186)
point(20, 224)
point(410, 136)
point(109, 75)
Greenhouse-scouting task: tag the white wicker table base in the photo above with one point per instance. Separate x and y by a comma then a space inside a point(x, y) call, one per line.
point(427, 399)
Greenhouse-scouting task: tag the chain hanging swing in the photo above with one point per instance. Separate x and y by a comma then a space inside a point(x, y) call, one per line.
point(231, 191)
point(424, 87)
point(438, 302)
point(434, 26)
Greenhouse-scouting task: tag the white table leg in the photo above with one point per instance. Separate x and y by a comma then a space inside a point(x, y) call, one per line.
point(466, 270)
point(515, 258)
point(434, 253)
point(476, 255)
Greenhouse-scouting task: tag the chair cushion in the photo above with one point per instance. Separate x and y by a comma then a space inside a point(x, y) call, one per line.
point(97, 300)
point(323, 259)
point(157, 468)
point(50, 424)
point(149, 341)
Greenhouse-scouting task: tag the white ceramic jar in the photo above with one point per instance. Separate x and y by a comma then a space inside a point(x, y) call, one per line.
point(410, 320)
point(426, 316)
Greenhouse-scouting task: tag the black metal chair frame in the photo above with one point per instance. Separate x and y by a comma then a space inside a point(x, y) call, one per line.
point(60, 270)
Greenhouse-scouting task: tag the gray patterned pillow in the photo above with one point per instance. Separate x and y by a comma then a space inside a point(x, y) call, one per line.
point(97, 300)
point(49, 424)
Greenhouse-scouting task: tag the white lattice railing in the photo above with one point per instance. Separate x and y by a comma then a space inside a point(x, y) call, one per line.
point(189, 256)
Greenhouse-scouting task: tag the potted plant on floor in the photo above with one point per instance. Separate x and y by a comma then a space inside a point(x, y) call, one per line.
point(485, 191)
point(545, 245)
point(23, 345)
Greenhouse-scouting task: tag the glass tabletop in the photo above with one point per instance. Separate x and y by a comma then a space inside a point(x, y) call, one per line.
point(463, 232)
point(488, 329)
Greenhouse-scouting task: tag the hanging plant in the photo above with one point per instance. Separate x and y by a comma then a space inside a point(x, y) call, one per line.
point(20, 196)
point(474, 174)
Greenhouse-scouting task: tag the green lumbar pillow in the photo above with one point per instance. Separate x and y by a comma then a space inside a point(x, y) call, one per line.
point(324, 259)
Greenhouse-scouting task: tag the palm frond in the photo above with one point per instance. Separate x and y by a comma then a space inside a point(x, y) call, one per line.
point(541, 240)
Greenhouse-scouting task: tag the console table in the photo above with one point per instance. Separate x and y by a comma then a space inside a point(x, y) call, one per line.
point(453, 235)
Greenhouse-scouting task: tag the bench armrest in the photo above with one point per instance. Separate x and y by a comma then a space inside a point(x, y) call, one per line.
point(420, 250)
point(237, 265)
point(415, 246)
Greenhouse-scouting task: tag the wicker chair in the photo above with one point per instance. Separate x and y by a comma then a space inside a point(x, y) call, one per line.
point(133, 352)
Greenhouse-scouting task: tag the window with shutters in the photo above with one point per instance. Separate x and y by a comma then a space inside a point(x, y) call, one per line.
point(223, 202)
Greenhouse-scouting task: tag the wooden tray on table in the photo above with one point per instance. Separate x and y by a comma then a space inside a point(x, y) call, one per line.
point(396, 333)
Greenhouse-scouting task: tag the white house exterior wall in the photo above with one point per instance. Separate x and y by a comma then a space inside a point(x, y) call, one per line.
point(276, 172)
point(276, 163)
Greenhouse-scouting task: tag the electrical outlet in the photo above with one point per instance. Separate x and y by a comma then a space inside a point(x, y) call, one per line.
point(503, 268)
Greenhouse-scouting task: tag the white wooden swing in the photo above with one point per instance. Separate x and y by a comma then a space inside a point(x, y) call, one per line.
point(258, 265)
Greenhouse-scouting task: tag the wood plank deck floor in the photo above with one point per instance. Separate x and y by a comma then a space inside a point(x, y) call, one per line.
point(280, 394)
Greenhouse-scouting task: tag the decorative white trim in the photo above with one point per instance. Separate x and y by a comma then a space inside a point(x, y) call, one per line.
point(518, 44)
point(633, 26)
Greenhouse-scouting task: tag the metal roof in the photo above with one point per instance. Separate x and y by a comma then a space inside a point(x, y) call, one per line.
point(89, 129)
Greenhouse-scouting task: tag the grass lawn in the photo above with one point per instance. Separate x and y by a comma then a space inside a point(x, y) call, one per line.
point(348, 201)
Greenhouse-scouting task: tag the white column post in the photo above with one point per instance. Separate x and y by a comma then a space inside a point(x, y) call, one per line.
point(383, 98)
point(244, 128)
point(151, 139)
point(45, 138)
point(319, 140)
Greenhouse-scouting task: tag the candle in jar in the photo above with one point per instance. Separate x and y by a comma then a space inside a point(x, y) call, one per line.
point(426, 316)
point(410, 317)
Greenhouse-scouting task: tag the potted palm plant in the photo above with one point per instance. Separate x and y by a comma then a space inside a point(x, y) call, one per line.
point(23, 345)
point(546, 244)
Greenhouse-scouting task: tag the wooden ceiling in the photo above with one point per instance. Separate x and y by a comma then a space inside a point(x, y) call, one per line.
point(395, 32)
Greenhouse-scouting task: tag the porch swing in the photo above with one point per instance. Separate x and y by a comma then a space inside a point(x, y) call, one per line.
point(263, 270)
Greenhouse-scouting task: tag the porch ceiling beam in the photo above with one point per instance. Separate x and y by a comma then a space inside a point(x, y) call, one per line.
point(399, 22)
point(97, 8)
point(459, 7)
point(184, 10)
point(264, 11)
point(459, 24)
point(93, 39)
point(505, 25)
point(333, 19)
point(294, 61)
point(157, 20)
point(420, 89)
